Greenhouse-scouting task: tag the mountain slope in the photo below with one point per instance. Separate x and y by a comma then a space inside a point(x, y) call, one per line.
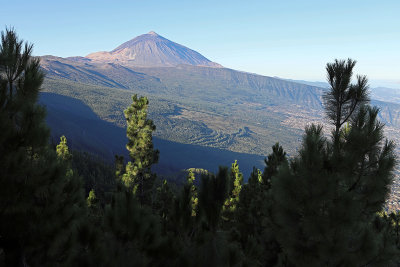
point(185, 81)
point(152, 50)
point(86, 131)
point(192, 105)
point(216, 107)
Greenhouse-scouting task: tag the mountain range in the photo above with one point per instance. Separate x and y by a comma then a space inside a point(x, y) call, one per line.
point(202, 110)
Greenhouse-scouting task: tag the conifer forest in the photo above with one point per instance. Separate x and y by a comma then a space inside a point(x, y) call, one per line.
point(321, 206)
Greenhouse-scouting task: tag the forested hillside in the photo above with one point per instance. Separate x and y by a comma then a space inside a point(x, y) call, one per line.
point(217, 110)
point(323, 206)
point(206, 107)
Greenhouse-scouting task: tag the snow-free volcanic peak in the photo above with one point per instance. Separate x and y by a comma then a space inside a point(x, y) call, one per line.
point(152, 50)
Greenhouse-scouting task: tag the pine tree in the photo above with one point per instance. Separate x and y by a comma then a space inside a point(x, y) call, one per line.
point(119, 166)
point(272, 162)
point(87, 249)
point(132, 234)
point(185, 212)
point(95, 212)
point(164, 203)
point(255, 224)
point(138, 177)
point(62, 149)
point(193, 192)
point(343, 99)
point(326, 199)
point(235, 186)
point(212, 195)
point(203, 242)
point(39, 203)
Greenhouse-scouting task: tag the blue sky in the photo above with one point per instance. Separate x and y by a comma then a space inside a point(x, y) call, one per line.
point(291, 39)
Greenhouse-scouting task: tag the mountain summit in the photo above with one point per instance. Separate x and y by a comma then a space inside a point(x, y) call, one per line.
point(152, 50)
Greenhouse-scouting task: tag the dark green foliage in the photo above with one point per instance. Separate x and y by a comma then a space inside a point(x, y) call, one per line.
point(255, 224)
point(132, 234)
point(199, 239)
point(119, 165)
point(386, 226)
point(86, 246)
point(343, 99)
point(106, 136)
point(41, 200)
point(97, 175)
point(369, 159)
point(323, 208)
point(164, 203)
point(138, 177)
point(167, 106)
point(235, 181)
point(326, 199)
point(272, 162)
point(186, 215)
point(193, 192)
point(212, 195)
point(95, 211)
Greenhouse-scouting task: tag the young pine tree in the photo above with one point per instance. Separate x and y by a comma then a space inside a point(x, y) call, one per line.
point(164, 204)
point(193, 192)
point(229, 210)
point(138, 177)
point(326, 199)
point(272, 162)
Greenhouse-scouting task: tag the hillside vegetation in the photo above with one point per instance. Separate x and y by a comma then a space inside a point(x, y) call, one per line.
point(323, 206)
point(209, 107)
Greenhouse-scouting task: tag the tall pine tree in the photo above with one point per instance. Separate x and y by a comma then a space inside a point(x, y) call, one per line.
point(40, 204)
point(272, 162)
point(138, 177)
point(326, 199)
